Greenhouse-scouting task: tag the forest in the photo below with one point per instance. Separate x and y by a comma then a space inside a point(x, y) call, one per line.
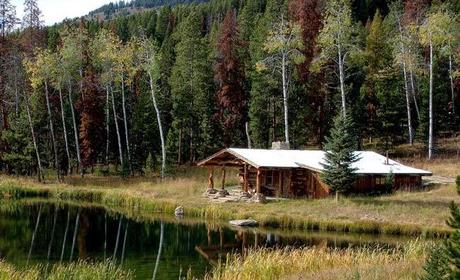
point(174, 84)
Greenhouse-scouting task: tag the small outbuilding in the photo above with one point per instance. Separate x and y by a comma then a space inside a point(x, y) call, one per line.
point(296, 173)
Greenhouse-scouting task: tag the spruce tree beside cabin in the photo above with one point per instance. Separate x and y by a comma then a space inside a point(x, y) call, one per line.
point(339, 148)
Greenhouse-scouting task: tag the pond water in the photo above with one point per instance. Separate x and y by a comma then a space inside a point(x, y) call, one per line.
point(37, 232)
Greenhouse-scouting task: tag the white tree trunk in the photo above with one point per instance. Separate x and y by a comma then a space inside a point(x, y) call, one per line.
point(248, 135)
point(107, 128)
point(52, 129)
point(413, 95)
point(65, 130)
point(160, 127)
point(409, 118)
point(430, 131)
point(75, 130)
point(342, 81)
point(285, 98)
point(34, 140)
point(117, 128)
point(125, 121)
point(157, 262)
point(452, 89)
point(406, 88)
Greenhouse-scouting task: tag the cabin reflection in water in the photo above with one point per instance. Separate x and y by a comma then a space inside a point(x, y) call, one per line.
point(219, 245)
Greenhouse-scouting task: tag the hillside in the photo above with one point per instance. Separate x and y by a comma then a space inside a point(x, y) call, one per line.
point(135, 6)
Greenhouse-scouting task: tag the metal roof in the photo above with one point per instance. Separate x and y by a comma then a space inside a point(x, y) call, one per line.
point(368, 163)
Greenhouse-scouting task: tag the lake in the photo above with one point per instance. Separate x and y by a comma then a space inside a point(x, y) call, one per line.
point(159, 247)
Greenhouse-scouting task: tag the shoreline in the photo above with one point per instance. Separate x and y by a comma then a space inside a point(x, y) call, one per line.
point(134, 202)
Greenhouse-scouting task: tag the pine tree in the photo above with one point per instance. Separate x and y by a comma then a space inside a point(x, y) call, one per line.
point(229, 75)
point(340, 155)
point(32, 25)
point(189, 83)
point(377, 55)
point(307, 14)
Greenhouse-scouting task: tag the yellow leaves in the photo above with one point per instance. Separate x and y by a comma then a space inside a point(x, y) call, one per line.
point(439, 28)
point(261, 66)
point(39, 69)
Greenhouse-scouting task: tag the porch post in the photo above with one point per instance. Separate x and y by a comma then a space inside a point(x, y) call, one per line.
point(245, 176)
point(211, 178)
point(223, 178)
point(223, 192)
point(259, 174)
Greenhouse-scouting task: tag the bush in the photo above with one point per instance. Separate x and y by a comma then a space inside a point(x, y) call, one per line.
point(458, 184)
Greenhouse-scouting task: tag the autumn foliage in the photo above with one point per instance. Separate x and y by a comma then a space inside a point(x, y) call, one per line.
point(231, 98)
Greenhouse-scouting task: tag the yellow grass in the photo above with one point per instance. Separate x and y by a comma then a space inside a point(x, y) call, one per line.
point(322, 263)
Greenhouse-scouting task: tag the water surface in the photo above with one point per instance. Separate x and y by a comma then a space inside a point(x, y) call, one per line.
point(45, 233)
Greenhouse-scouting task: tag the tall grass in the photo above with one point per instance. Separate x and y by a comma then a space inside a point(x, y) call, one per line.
point(74, 271)
point(322, 263)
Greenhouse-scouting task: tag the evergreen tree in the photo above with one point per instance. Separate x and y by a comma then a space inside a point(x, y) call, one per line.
point(229, 75)
point(377, 56)
point(189, 83)
point(339, 174)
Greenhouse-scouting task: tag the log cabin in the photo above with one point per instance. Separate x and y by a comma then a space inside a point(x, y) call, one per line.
point(297, 173)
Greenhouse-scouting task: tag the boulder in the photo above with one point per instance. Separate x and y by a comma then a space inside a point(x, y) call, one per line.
point(258, 198)
point(179, 212)
point(244, 223)
point(223, 193)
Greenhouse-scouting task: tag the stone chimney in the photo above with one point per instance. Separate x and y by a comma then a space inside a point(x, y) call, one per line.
point(280, 146)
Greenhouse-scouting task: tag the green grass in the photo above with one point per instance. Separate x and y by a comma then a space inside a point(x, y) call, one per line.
point(412, 214)
point(405, 262)
point(74, 271)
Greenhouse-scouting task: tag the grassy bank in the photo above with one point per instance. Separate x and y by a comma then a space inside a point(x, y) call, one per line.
point(320, 263)
point(73, 271)
point(412, 214)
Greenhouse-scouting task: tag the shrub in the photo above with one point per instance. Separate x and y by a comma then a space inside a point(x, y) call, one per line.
point(458, 183)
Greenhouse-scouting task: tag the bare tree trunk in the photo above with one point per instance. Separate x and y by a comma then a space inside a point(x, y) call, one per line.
point(125, 121)
point(34, 140)
point(77, 220)
point(34, 234)
point(160, 127)
point(430, 130)
point(65, 130)
point(414, 95)
point(52, 129)
point(248, 135)
point(117, 240)
point(342, 81)
point(65, 235)
point(285, 99)
point(157, 262)
point(75, 130)
point(105, 235)
point(107, 128)
point(452, 89)
point(179, 152)
point(120, 150)
point(52, 233)
point(409, 118)
point(124, 243)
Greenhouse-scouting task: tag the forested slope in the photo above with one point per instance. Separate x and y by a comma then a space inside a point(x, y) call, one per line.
point(91, 92)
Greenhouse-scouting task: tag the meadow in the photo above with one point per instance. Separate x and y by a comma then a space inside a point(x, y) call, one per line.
point(403, 213)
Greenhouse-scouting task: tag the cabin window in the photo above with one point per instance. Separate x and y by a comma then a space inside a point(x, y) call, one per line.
point(380, 181)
